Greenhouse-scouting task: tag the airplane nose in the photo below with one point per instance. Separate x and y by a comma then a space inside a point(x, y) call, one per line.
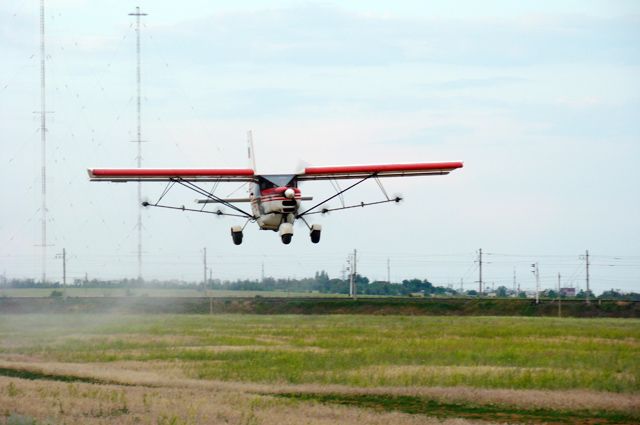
point(289, 193)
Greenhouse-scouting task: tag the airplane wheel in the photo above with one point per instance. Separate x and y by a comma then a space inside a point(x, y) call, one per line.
point(286, 238)
point(315, 236)
point(237, 237)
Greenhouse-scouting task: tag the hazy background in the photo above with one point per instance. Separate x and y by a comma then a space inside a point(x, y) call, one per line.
point(540, 99)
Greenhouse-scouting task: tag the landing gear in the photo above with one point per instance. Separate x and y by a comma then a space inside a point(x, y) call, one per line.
point(236, 234)
point(315, 233)
point(286, 232)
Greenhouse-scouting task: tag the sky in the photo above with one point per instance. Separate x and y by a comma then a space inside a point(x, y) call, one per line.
point(540, 99)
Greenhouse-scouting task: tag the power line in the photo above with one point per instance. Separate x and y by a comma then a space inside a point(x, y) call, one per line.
point(526, 255)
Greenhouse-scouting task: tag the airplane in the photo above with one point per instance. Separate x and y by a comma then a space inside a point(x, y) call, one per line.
point(276, 199)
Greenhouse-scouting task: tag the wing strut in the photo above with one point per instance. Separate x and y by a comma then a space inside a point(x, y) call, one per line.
point(308, 211)
point(381, 188)
point(201, 191)
point(165, 191)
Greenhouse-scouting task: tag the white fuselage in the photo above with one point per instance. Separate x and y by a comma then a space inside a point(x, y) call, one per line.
point(273, 205)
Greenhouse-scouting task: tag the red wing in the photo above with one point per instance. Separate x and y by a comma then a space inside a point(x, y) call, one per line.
point(162, 174)
point(380, 170)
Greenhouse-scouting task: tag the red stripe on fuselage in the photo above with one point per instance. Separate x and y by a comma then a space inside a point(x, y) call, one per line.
point(278, 191)
point(277, 198)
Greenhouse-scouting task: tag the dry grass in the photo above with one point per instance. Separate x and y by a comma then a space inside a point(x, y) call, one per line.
point(55, 402)
point(162, 376)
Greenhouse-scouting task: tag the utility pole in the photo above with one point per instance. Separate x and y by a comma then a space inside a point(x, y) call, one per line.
point(64, 267)
point(63, 256)
point(262, 273)
point(204, 279)
point(461, 286)
point(536, 272)
point(204, 262)
point(355, 273)
point(515, 291)
point(559, 299)
point(138, 141)
point(349, 266)
point(388, 270)
point(352, 276)
point(480, 272)
point(586, 258)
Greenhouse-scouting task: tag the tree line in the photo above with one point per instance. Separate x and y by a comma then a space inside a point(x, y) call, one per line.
point(320, 283)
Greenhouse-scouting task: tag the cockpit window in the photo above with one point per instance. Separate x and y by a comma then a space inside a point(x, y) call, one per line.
point(266, 184)
point(275, 180)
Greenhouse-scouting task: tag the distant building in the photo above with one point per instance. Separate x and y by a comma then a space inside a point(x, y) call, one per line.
point(568, 292)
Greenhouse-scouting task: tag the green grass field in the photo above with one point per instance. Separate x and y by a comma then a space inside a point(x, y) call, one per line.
point(598, 356)
point(536, 353)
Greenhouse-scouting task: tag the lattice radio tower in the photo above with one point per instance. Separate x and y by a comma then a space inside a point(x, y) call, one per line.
point(43, 143)
point(138, 140)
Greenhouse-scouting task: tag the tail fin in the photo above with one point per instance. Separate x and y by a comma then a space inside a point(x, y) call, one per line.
point(252, 158)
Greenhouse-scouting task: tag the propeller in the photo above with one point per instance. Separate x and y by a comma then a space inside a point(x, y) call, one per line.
point(218, 212)
point(325, 209)
point(302, 164)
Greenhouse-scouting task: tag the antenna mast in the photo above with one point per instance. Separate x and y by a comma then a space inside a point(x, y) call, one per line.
point(138, 14)
point(43, 142)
